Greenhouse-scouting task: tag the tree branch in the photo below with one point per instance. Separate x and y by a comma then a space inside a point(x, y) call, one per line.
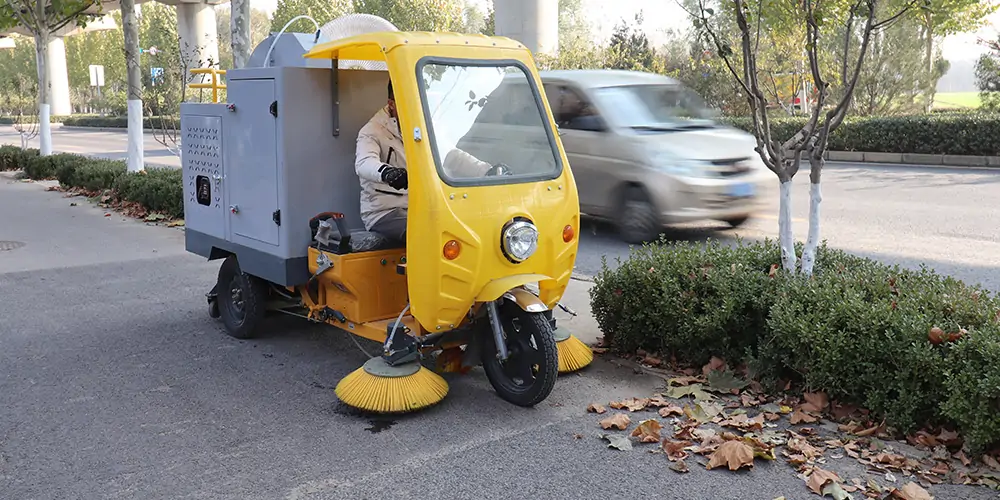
point(34, 25)
point(72, 17)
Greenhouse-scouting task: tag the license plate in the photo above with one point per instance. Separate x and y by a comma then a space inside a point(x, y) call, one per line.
point(742, 190)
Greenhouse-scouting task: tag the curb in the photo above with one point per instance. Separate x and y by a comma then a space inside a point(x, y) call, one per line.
point(931, 160)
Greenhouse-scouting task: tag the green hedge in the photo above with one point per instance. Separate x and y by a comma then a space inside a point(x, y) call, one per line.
point(157, 189)
point(976, 134)
point(8, 120)
point(154, 122)
point(858, 329)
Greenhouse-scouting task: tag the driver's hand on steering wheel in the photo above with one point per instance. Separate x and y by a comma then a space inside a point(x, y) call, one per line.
point(499, 169)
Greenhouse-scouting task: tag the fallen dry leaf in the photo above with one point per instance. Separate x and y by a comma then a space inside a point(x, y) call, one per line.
point(800, 417)
point(599, 350)
point(651, 361)
point(992, 462)
point(697, 391)
point(675, 449)
point(596, 408)
point(960, 456)
point(771, 417)
point(941, 469)
point(713, 365)
point(878, 429)
point(618, 441)
point(619, 421)
point(658, 401)
point(686, 380)
point(818, 478)
point(667, 411)
point(912, 491)
point(724, 381)
point(633, 404)
point(680, 466)
point(648, 431)
point(734, 454)
point(816, 402)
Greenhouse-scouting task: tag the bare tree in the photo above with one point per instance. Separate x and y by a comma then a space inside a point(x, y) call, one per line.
point(810, 143)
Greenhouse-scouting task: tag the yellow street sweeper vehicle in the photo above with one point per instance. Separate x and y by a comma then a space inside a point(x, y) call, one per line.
point(271, 189)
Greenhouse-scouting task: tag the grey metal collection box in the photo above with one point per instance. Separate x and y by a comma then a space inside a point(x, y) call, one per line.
point(259, 166)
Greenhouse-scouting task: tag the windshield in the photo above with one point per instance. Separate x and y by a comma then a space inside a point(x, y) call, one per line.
point(655, 107)
point(486, 120)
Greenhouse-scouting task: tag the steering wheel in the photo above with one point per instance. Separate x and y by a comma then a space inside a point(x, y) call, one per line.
point(499, 169)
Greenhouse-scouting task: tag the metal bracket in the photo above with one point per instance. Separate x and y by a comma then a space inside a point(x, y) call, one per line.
point(324, 264)
point(335, 96)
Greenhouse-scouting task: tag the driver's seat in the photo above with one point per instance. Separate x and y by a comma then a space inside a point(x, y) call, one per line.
point(327, 230)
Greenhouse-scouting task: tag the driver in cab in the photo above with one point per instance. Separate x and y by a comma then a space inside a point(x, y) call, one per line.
point(381, 167)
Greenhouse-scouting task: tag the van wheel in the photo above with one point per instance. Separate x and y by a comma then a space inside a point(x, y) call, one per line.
point(637, 220)
point(737, 221)
point(241, 299)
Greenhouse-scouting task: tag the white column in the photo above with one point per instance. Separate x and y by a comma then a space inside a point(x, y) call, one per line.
point(199, 37)
point(58, 76)
point(534, 23)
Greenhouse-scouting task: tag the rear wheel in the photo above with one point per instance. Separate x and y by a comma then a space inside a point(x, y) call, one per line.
point(737, 221)
point(529, 373)
point(241, 299)
point(637, 219)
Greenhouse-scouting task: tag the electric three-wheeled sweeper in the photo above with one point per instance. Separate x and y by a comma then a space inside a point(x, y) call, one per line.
point(271, 189)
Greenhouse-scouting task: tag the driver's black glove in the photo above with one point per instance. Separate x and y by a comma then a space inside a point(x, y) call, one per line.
point(394, 176)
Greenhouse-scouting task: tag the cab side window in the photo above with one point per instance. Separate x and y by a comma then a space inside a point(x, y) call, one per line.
point(572, 110)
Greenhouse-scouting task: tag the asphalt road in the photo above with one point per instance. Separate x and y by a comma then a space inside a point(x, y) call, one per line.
point(115, 383)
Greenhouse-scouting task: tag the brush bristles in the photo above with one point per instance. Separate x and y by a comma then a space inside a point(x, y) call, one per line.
point(365, 391)
point(573, 354)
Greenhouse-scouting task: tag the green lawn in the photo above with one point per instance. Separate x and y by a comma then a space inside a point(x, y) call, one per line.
point(956, 100)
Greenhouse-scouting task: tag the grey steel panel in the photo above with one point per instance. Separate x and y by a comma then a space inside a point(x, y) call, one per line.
point(281, 271)
point(202, 161)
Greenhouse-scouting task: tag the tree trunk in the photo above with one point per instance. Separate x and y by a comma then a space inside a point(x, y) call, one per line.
point(786, 238)
point(239, 24)
point(815, 198)
point(929, 61)
point(42, 59)
point(136, 162)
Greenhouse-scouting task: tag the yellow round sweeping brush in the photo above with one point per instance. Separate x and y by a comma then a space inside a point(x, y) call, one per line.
point(573, 353)
point(380, 388)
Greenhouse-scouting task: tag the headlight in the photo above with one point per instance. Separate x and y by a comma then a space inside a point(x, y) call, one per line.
point(519, 240)
point(686, 168)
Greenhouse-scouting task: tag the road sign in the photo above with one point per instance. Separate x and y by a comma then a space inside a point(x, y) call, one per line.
point(96, 75)
point(155, 74)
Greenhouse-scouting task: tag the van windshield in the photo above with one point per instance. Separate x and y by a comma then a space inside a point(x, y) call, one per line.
point(656, 107)
point(487, 119)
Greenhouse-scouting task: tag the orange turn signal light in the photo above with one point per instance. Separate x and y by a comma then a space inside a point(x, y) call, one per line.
point(452, 249)
point(568, 233)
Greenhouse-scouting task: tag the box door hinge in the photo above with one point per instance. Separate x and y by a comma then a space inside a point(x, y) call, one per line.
point(274, 109)
point(276, 216)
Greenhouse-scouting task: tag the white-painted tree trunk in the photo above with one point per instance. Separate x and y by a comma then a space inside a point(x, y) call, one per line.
point(44, 127)
point(812, 241)
point(239, 24)
point(786, 238)
point(136, 161)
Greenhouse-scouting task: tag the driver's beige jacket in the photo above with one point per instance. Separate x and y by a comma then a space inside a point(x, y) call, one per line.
point(379, 143)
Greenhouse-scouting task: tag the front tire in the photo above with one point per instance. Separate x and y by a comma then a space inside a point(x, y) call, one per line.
point(528, 375)
point(241, 299)
point(737, 221)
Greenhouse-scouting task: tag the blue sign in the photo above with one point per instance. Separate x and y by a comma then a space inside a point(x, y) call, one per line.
point(156, 74)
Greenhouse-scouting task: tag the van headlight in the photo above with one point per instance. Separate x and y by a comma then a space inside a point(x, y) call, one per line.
point(519, 240)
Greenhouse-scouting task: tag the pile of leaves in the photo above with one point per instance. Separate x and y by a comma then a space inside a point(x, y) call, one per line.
point(915, 348)
point(976, 134)
point(720, 420)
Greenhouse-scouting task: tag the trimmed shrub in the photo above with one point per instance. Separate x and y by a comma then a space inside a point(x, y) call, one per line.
point(857, 329)
point(158, 189)
point(48, 167)
point(98, 175)
point(976, 134)
point(14, 158)
point(118, 122)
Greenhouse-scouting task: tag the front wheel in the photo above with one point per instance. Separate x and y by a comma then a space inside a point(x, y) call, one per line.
point(529, 373)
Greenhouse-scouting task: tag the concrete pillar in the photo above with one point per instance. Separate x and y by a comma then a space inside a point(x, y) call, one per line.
point(58, 76)
point(199, 37)
point(535, 23)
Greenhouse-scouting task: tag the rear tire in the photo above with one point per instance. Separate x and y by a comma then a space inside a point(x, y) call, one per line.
point(637, 219)
point(241, 299)
point(528, 375)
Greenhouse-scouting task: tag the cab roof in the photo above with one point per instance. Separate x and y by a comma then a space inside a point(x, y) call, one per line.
point(373, 46)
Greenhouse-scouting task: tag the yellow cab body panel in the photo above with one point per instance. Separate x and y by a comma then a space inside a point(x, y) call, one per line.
point(446, 90)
